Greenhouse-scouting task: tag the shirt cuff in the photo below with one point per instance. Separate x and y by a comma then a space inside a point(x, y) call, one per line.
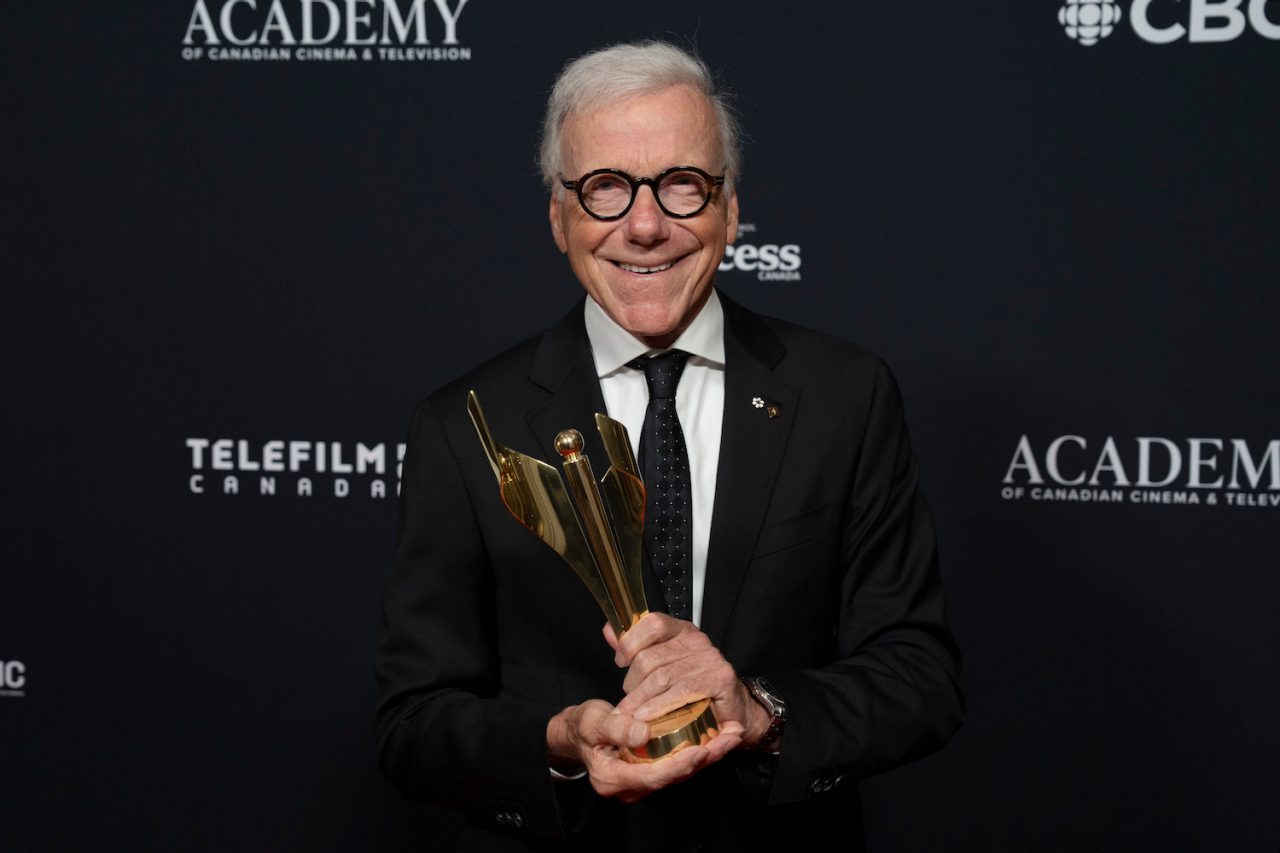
point(561, 777)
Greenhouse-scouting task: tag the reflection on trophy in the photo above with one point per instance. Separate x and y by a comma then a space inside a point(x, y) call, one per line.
point(601, 542)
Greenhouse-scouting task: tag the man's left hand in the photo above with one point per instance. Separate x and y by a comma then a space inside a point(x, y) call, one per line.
point(673, 663)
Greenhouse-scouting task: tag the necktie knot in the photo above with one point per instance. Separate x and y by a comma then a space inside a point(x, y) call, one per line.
point(662, 372)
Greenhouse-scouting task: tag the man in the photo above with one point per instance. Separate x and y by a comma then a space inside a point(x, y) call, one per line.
point(793, 553)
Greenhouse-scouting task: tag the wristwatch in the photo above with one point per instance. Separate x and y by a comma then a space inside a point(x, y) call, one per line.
point(763, 693)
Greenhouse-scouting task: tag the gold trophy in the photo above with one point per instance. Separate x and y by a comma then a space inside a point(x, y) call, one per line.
point(605, 556)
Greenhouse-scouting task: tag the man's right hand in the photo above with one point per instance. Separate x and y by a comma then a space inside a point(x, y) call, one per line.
point(590, 736)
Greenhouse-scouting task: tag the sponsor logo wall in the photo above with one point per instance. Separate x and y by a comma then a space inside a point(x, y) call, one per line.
point(231, 280)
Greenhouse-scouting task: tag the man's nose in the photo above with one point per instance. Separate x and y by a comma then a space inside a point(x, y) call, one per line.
point(646, 223)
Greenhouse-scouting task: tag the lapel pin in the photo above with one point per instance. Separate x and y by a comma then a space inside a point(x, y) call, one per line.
point(770, 408)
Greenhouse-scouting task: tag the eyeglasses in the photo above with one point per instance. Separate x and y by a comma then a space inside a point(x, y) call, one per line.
point(607, 194)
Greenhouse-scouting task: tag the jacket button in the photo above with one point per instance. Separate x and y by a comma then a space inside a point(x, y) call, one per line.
point(816, 787)
point(517, 820)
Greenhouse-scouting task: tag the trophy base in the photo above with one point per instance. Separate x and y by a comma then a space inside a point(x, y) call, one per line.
point(692, 725)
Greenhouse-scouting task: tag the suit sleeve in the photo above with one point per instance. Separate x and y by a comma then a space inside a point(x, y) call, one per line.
point(445, 734)
point(892, 692)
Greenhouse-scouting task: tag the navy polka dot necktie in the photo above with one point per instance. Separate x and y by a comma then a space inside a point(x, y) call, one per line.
point(664, 464)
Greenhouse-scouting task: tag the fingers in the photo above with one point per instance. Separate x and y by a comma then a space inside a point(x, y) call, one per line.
point(599, 731)
point(672, 663)
point(652, 629)
point(684, 644)
point(670, 686)
point(622, 730)
point(612, 777)
point(691, 645)
point(730, 737)
point(652, 690)
point(667, 658)
point(631, 782)
point(600, 725)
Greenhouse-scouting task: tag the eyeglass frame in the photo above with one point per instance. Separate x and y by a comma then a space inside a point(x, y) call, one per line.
point(636, 183)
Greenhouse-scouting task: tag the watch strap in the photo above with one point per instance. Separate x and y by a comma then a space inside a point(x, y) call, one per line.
point(762, 691)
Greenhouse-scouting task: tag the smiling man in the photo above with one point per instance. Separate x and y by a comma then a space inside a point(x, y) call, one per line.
point(649, 269)
point(789, 554)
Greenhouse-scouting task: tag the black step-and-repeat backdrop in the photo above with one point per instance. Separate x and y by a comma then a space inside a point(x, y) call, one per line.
point(244, 236)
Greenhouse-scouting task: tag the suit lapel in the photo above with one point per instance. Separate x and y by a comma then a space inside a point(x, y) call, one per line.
point(564, 367)
point(752, 446)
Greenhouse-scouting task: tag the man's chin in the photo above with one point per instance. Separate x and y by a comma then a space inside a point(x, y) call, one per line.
point(656, 333)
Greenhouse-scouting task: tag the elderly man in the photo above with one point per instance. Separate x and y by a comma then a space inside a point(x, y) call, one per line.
point(786, 539)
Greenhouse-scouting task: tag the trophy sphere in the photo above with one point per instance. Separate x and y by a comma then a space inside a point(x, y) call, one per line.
point(569, 441)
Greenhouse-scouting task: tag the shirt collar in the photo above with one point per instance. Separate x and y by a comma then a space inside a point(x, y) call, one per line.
point(613, 346)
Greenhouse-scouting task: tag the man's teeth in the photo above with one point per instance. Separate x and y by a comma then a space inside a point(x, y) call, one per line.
point(646, 270)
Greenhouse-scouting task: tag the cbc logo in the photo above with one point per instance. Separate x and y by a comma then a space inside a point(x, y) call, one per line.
point(1088, 21)
point(13, 675)
point(1198, 21)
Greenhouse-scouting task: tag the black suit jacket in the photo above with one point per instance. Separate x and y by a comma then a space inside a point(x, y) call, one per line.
point(821, 576)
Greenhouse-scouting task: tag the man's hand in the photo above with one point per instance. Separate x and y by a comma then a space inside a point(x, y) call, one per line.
point(673, 663)
point(589, 735)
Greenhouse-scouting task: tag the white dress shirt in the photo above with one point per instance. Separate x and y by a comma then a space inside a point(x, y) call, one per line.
point(699, 404)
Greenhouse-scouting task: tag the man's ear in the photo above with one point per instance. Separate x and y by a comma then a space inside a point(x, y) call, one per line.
point(557, 225)
point(731, 218)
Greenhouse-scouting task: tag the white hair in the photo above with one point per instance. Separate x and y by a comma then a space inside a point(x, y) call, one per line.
point(623, 70)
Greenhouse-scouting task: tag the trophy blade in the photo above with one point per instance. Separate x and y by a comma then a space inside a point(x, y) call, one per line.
point(617, 445)
point(482, 429)
point(534, 494)
point(624, 495)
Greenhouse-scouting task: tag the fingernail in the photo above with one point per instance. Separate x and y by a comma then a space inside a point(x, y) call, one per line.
point(638, 734)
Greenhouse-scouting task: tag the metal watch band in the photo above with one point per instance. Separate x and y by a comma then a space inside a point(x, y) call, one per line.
point(763, 693)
